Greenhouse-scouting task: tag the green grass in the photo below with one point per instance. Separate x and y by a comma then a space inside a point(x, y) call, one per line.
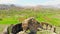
point(42, 15)
point(38, 17)
point(9, 21)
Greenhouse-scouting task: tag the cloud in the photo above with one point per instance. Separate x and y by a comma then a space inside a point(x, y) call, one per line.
point(6, 1)
point(32, 2)
point(51, 2)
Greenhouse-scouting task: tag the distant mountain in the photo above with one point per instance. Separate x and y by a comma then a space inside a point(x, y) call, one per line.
point(6, 7)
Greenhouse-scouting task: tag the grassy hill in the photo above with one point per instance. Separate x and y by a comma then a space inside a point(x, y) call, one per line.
point(12, 15)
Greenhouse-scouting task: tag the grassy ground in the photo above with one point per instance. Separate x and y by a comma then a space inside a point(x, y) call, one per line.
point(49, 15)
point(14, 20)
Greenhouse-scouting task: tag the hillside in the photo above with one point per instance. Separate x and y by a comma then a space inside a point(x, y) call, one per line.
point(11, 13)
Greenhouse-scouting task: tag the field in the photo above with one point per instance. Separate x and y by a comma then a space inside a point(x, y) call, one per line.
point(14, 16)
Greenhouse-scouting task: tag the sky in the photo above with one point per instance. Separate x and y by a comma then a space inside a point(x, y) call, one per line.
point(31, 2)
